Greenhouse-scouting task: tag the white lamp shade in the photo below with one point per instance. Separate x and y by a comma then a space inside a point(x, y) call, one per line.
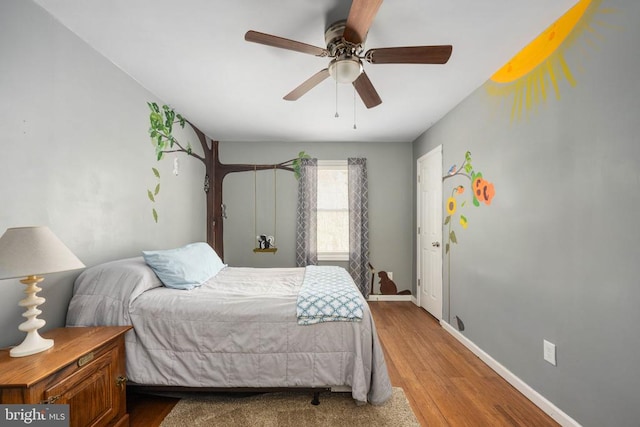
point(28, 251)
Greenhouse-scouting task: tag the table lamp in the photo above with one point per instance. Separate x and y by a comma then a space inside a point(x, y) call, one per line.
point(29, 252)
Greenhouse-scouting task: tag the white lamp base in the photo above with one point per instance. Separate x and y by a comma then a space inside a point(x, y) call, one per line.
point(33, 343)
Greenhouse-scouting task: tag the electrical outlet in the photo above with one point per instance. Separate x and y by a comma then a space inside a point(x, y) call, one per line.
point(549, 352)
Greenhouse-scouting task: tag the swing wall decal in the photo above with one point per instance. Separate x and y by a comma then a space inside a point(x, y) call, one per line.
point(265, 243)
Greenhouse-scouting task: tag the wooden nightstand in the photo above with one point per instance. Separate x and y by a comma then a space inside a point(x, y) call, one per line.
point(85, 369)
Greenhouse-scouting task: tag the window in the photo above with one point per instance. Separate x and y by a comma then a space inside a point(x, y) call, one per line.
point(333, 211)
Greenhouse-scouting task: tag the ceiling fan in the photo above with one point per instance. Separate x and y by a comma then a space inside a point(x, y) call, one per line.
point(345, 40)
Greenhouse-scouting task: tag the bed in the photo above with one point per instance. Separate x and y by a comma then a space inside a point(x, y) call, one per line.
point(239, 329)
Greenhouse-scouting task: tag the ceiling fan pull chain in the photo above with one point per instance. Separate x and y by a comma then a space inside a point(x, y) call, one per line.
point(337, 115)
point(354, 108)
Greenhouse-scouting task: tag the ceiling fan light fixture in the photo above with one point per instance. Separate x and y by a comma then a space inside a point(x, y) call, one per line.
point(345, 70)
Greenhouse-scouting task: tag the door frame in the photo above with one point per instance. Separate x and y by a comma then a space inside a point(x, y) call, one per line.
point(418, 231)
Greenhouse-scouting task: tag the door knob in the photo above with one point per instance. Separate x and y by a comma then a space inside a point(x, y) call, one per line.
point(436, 244)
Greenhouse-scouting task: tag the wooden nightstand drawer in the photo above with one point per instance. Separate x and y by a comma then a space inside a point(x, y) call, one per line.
point(85, 369)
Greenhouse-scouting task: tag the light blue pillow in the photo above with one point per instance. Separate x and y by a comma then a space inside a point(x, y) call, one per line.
point(184, 268)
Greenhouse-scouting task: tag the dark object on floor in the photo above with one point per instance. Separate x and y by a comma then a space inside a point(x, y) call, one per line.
point(316, 398)
point(388, 287)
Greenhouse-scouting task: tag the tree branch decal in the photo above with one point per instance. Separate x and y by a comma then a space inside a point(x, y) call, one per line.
point(482, 191)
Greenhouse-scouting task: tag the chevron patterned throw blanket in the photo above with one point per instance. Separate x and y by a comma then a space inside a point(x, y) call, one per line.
point(328, 294)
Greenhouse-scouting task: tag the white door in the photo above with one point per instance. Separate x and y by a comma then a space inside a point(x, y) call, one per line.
point(430, 232)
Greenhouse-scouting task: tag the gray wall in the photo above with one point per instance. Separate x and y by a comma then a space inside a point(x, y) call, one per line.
point(76, 157)
point(555, 255)
point(390, 197)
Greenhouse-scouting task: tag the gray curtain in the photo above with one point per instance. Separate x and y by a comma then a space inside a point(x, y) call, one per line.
point(306, 217)
point(359, 223)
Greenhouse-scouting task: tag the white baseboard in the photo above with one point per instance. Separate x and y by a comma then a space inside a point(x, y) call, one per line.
point(378, 297)
point(535, 397)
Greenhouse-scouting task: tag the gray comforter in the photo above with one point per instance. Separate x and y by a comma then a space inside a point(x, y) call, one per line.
point(237, 330)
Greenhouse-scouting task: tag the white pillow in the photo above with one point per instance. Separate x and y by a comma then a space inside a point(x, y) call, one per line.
point(184, 268)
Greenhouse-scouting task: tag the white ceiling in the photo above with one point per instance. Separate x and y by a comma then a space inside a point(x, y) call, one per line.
point(192, 55)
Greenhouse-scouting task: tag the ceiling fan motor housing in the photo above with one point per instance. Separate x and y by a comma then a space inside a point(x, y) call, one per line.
point(346, 65)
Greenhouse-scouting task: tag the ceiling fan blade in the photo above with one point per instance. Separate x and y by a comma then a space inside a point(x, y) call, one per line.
point(309, 84)
point(366, 91)
point(360, 19)
point(275, 41)
point(410, 55)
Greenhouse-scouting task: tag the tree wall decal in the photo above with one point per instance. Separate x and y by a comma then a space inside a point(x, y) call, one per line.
point(162, 121)
point(482, 192)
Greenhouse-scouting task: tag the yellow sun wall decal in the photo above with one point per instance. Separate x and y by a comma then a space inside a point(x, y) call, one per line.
point(528, 76)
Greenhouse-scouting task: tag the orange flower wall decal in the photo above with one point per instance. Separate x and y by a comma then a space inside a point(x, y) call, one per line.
point(483, 190)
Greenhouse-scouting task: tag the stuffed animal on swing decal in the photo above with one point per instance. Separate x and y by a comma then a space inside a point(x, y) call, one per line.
point(266, 242)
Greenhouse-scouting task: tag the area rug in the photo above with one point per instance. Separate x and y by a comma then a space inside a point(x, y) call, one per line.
point(289, 409)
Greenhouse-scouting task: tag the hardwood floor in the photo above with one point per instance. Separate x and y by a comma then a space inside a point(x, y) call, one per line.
point(148, 411)
point(445, 383)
